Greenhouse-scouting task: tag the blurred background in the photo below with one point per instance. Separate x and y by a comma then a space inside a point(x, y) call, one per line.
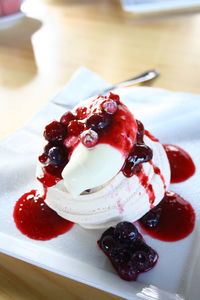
point(40, 50)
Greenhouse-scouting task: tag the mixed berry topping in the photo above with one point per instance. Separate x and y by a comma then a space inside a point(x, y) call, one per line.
point(103, 120)
point(127, 250)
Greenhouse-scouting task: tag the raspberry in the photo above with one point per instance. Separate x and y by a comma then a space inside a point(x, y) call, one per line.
point(55, 132)
point(75, 127)
point(67, 117)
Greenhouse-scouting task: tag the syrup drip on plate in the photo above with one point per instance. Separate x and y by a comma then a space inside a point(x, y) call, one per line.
point(181, 164)
point(36, 220)
point(171, 220)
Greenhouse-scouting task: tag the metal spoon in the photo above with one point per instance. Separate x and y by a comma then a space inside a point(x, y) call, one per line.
point(146, 76)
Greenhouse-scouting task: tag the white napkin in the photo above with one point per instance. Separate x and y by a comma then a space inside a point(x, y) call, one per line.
point(145, 6)
point(172, 117)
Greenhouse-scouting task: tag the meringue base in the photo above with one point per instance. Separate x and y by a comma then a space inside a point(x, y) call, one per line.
point(121, 199)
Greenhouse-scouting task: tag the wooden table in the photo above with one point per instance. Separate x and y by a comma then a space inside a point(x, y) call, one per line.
point(38, 56)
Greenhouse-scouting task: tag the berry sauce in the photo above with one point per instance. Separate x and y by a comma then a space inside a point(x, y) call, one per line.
point(118, 129)
point(171, 220)
point(50, 176)
point(144, 181)
point(158, 172)
point(36, 220)
point(181, 164)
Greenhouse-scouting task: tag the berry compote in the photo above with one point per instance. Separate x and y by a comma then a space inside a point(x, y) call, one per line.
point(127, 251)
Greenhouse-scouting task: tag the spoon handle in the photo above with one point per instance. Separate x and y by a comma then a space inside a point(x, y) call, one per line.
point(146, 76)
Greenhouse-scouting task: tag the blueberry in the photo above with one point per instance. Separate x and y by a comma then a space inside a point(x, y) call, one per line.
point(109, 231)
point(48, 147)
point(120, 255)
point(152, 255)
point(57, 156)
point(140, 154)
point(97, 122)
point(126, 232)
point(108, 243)
point(127, 272)
point(141, 261)
point(152, 218)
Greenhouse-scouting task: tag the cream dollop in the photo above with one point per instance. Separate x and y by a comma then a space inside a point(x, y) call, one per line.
point(89, 168)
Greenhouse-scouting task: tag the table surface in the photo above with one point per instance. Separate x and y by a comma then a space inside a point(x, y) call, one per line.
point(38, 56)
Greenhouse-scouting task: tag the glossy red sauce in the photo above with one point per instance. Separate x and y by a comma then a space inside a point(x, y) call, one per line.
point(158, 172)
point(181, 164)
point(176, 219)
point(50, 175)
point(144, 181)
point(121, 133)
point(36, 220)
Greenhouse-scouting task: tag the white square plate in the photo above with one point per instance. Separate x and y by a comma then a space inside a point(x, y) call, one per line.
point(173, 118)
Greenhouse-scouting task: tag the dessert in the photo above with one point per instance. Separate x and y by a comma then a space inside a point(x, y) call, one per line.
point(101, 169)
point(112, 169)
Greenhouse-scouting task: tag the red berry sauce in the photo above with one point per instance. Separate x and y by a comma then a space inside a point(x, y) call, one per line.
point(171, 220)
point(51, 175)
point(117, 129)
point(36, 220)
point(181, 164)
point(158, 172)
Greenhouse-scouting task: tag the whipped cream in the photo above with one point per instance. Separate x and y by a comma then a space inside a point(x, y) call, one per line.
point(90, 168)
point(120, 199)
